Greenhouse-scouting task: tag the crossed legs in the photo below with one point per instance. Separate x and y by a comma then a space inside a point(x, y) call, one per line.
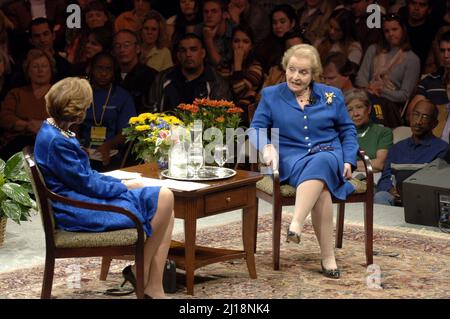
point(313, 196)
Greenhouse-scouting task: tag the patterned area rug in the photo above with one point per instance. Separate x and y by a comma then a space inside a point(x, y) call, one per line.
point(408, 264)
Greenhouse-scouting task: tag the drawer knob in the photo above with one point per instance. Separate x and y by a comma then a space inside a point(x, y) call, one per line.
point(228, 199)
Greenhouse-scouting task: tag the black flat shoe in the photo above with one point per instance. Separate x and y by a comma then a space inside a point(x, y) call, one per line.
point(331, 273)
point(128, 276)
point(292, 237)
point(147, 296)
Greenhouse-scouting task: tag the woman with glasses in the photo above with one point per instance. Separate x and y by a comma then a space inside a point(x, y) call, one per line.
point(390, 71)
point(23, 109)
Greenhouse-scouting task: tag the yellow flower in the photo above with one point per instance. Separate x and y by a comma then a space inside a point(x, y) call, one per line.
point(142, 127)
point(134, 120)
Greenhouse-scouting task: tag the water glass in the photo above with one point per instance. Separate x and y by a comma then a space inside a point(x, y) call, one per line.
point(196, 159)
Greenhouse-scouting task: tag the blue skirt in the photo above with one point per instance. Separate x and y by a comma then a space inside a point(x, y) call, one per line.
point(322, 166)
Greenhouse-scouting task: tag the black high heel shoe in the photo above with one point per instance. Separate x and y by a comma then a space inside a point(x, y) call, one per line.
point(292, 237)
point(330, 273)
point(128, 276)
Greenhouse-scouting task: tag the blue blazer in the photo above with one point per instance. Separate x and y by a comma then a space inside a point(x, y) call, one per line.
point(301, 132)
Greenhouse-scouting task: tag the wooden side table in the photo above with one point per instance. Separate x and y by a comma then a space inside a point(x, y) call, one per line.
point(237, 192)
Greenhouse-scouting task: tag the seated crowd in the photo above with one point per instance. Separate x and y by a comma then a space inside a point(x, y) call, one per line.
point(139, 58)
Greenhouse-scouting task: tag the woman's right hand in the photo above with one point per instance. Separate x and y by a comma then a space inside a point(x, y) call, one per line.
point(270, 156)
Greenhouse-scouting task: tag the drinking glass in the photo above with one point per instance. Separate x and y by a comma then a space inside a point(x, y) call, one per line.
point(220, 155)
point(196, 159)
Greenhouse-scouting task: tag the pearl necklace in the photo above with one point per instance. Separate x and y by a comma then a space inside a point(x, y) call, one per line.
point(66, 133)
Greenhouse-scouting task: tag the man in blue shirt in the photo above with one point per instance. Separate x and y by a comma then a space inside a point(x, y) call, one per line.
point(408, 155)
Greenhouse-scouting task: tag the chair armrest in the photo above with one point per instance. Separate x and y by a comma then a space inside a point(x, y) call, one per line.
point(368, 170)
point(99, 207)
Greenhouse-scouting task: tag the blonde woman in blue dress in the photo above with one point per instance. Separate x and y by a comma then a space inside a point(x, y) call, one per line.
point(67, 172)
point(317, 145)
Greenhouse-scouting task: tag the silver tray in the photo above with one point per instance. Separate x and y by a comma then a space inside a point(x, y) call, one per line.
point(206, 173)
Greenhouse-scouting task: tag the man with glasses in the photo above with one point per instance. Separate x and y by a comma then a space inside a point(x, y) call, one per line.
point(136, 77)
point(411, 154)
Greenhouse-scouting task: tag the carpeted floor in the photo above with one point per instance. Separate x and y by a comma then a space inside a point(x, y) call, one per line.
point(411, 264)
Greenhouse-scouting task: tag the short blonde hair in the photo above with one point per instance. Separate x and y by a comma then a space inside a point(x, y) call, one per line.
point(68, 99)
point(304, 51)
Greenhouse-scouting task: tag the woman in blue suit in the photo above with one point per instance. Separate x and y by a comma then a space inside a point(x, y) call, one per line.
point(317, 145)
point(66, 170)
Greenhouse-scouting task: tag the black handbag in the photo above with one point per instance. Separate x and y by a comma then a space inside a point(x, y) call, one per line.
point(170, 277)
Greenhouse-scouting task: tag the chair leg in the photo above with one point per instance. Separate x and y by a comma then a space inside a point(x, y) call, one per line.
point(46, 291)
point(106, 263)
point(340, 224)
point(368, 225)
point(276, 235)
point(139, 261)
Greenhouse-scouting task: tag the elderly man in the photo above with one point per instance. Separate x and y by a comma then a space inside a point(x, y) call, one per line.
point(422, 148)
point(191, 79)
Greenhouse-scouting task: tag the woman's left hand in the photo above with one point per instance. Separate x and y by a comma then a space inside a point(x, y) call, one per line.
point(347, 171)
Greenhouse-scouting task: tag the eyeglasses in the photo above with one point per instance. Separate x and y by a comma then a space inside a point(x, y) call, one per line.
point(124, 45)
point(425, 117)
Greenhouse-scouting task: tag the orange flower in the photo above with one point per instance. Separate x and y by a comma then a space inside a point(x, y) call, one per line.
point(235, 110)
point(220, 119)
point(188, 107)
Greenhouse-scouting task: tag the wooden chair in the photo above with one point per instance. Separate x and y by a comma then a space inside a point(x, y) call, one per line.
point(64, 244)
point(270, 190)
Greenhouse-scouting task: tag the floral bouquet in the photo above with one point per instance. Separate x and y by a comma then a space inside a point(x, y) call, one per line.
point(213, 113)
point(150, 133)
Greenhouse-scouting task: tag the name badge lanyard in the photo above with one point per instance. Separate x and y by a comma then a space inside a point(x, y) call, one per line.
point(98, 132)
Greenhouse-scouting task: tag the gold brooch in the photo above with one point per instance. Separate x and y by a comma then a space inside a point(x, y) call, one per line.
point(329, 96)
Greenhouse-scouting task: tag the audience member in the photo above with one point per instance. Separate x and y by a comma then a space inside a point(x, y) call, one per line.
point(313, 16)
point(133, 20)
point(23, 109)
point(42, 37)
point(244, 73)
point(340, 38)
point(252, 15)
point(421, 27)
point(389, 71)
point(191, 79)
point(21, 13)
point(276, 73)
point(136, 77)
point(155, 51)
point(436, 88)
point(216, 32)
point(95, 15)
point(374, 139)
point(364, 35)
point(283, 19)
point(422, 148)
point(187, 17)
point(338, 71)
point(111, 108)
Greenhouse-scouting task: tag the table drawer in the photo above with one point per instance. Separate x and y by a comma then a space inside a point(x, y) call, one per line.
point(226, 200)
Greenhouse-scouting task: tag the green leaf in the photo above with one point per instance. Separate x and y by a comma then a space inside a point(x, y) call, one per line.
point(14, 165)
point(17, 193)
point(2, 167)
point(12, 210)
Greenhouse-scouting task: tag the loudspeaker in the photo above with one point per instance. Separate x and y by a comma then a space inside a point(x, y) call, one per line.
point(426, 194)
